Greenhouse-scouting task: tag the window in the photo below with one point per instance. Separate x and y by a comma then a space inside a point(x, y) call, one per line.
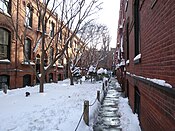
point(38, 63)
point(44, 1)
point(4, 44)
point(51, 54)
point(51, 77)
point(27, 49)
point(5, 6)
point(39, 22)
point(59, 77)
point(45, 60)
point(126, 5)
point(45, 25)
point(60, 62)
point(29, 14)
point(137, 27)
point(26, 80)
point(127, 41)
point(52, 25)
point(4, 82)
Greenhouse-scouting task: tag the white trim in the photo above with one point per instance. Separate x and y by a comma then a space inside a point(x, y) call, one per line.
point(27, 63)
point(137, 57)
point(127, 62)
point(154, 80)
point(126, 5)
point(5, 61)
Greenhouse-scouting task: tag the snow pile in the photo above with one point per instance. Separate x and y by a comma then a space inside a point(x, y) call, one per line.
point(102, 71)
point(129, 121)
point(92, 69)
point(58, 108)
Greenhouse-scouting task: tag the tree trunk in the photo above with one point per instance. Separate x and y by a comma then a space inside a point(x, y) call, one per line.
point(41, 89)
point(70, 76)
point(71, 80)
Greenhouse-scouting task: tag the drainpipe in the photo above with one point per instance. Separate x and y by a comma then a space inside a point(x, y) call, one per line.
point(16, 44)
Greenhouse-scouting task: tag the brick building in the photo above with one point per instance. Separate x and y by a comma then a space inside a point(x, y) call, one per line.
point(146, 37)
point(109, 60)
point(19, 19)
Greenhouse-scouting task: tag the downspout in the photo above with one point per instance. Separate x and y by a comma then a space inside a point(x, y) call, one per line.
point(16, 44)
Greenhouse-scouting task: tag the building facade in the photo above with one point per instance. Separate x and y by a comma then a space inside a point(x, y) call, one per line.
point(146, 41)
point(20, 44)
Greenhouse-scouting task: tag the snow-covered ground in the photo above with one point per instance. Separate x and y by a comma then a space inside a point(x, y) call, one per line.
point(129, 121)
point(59, 108)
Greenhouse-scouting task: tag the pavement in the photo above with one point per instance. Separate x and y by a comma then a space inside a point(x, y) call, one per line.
point(108, 117)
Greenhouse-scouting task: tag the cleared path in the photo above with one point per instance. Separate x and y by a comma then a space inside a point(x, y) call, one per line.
point(108, 117)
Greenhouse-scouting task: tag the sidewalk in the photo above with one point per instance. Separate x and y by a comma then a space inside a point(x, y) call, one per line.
point(115, 114)
point(108, 117)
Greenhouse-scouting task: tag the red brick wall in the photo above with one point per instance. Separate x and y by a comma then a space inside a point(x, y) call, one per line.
point(9, 69)
point(157, 110)
point(157, 41)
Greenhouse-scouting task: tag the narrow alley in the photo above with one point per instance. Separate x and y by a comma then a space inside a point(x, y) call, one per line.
point(108, 117)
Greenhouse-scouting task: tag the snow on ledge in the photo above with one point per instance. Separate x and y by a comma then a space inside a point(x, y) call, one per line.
point(160, 82)
point(60, 66)
point(127, 62)
point(27, 63)
point(5, 61)
point(157, 81)
point(122, 63)
point(137, 57)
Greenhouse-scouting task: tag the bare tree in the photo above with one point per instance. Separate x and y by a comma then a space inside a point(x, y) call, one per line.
point(98, 40)
point(72, 17)
point(83, 11)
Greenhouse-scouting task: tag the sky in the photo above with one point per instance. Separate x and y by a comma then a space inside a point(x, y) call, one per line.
point(109, 16)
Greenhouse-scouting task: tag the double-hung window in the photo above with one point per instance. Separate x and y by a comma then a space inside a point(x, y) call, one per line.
point(5, 6)
point(51, 54)
point(137, 27)
point(27, 49)
point(29, 13)
point(52, 29)
point(4, 82)
point(4, 44)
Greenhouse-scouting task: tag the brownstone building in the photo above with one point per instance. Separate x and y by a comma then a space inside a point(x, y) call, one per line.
point(19, 18)
point(146, 37)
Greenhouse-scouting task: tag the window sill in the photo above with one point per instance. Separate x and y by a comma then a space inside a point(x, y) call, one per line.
point(5, 61)
point(137, 59)
point(39, 31)
point(28, 27)
point(5, 13)
point(127, 62)
point(27, 63)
